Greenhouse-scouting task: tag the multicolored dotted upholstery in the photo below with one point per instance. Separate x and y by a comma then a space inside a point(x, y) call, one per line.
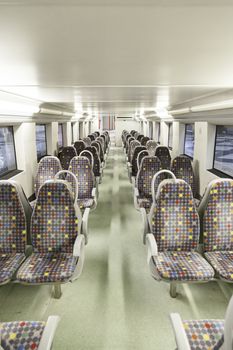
point(137, 150)
point(105, 142)
point(87, 141)
point(151, 146)
point(218, 217)
point(81, 168)
point(48, 167)
point(133, 144)
point(91, 136)
point(222, 262)
point(141, 155)
point(21, 335)
point(101, 140)
point(89, 156)
point(183, 266)
point(148, 168)
point(13, 227)
point(54, 224)
point(129, 140)
point(162, 152)
point(144, 140)
point(101, 152)
point(79, 146)
point(175, 222)
point(54, 228)
point(66, 155)
point(182, 169)
point(96, 159)
point(204, 334)
point(9, 263)
point(47, 268)
point(139, 137)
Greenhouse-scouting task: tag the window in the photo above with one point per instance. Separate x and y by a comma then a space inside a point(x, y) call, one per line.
point(72, 132)
point(60, 136)
point(223, 151)
point(7, 150)
point(151, 130)
point(41, 144)
point(170, 135)
point(158, 132)
point(189, 140)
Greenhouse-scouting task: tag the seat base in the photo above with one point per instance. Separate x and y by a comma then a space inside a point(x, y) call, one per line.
point(222, 262)
point(47, 268)
point(9, 263)
point(204, 334)
point(182, 267)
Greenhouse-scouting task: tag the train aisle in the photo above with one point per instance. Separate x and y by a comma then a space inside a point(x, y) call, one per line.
point(115, 304)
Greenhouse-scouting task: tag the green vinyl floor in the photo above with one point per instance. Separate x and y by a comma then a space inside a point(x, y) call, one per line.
point(115, 304)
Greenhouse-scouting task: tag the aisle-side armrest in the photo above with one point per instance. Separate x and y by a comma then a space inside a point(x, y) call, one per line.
point(48, 333)
point(180, 335)
point(135, 197)
point(85, 224)
point(145, 223)
point(78, 245)
point(152, 248)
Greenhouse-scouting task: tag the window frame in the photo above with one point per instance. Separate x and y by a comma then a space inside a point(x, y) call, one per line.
point(12, 172)
point(60, 147)
point(187, 155)
point(158, 132)
point(214, 170)
point(170, 125)
point(45, 128)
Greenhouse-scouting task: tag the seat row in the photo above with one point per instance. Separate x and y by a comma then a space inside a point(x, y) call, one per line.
point(180, 250)
point(172, 226)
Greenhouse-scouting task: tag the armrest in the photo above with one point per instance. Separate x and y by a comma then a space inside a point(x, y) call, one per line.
point(85, 224)
point(48, 333)
point(129, 165)
point(135, 197)
point(93, 192)
point(145, 223)
point(180, 335)
point(151, 246)
point(78, 246)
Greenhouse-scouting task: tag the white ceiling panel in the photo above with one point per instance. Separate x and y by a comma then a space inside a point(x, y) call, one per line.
point(114, 57)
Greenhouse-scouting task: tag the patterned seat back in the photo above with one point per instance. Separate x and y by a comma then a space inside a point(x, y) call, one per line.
point(182, 168)
point(149, 166)
point(139, 137)
point(105, 141)
point(91, 136)
point(55, 222)
point(89, 156)
point(162, 152)
point(136, 134)
point(129, 140)
point(132, 132)
point(141, 155)
point(218, 216)
point(79, 146)
point(97, 146)
point(97, 133)
point(66, 155)
point(134, 143)
point(126, 139)
point(101, 150)
point(151, 146)
point(87, 141)
point(106, 133)
point(13, 224)
point(101, 140)
point(173, 219)
point(81, 168)
point(144, 140)
point(47, 169)
point(96, 160)
point(137, 150)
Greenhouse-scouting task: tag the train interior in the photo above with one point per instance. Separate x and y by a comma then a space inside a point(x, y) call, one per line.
point(116, 174)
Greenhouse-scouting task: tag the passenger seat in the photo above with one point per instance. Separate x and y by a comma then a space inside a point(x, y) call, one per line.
point(216, 209)
point(163, 153)
point(174, 238)
point(66, 155)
